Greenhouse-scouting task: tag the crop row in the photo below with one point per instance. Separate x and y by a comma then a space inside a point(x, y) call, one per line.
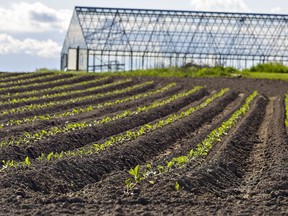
point(24, 76)
point(34, 85)
point(32, 107)
point(27, 137)
point(133, 134)
point(121, 138)
point(77, 111)
point(15, 84)
point(46, 89)
point(201, 151)
point(4, 76)
point(65, 93)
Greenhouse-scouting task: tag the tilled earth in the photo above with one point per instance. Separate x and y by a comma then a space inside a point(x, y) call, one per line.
point(246, 173)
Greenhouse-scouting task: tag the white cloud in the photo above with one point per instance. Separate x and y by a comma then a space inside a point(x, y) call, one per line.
point(220, 5)
point(34, 17)
point(45, 48)
point(276, 10)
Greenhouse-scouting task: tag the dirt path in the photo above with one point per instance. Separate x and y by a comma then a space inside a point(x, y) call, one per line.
point(257, 161)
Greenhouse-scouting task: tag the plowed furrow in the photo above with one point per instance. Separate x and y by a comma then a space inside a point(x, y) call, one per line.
point(68, 106)
point(226, 167)
point(41, 85)
point(272, 183)
point(5, 75)
point(68, 96)
point(79, 138)
point(49, 88)
point(116, 158)
point(96, 113)
point(221, 171)
point(20, 87)
point(190, 142)
point(15, 77)
point(256, 163)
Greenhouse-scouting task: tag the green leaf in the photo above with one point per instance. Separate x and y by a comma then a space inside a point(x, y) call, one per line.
point(177, 186)
point(135, 172)
point(160, 169)
point(128, 182)
point(27, 161)
point(49, 156)
point(170, 163)
point(192, 153)
point(152, 182)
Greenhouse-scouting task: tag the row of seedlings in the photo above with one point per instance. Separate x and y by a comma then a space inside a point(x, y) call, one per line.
point(81, 110)
point(133, 134)
point(26, 137)
point(65, 93)
point(194, 155)
point(33, 107)
point(46, 87)
point(128, 135)
point(29, 82)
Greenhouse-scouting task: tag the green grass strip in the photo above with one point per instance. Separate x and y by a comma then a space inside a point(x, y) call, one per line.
point(89, 108)
point(265, 75)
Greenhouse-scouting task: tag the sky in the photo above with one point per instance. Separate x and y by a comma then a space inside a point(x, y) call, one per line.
point(32, 32)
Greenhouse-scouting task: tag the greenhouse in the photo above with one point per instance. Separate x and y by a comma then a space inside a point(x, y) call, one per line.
point(117, 39)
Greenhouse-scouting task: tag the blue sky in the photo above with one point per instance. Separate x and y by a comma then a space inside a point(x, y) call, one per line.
point(32, 32)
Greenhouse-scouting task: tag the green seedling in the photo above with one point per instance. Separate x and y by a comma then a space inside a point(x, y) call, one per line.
point(49, 156)
point(85, 109)
point(177, 186)
point(75, 99)
point(27, 161)
point(204, 147)
point(136, 173)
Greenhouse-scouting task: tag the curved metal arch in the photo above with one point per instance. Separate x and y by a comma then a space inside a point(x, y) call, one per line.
point(139, 38)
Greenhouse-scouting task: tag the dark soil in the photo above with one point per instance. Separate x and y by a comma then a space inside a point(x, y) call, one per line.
point(71, 105)
point(29, 83)
point(92, 115)
point(70, 94)
point(49, 86)
point(244, 174)
point(6, 78)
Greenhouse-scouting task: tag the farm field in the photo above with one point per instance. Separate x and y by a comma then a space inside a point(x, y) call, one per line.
point(116, 145)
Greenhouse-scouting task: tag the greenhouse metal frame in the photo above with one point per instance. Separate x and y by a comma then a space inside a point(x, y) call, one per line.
point(118, 39)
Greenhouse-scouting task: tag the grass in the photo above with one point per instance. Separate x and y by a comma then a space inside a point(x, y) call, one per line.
point(272, 70)
point(178, 72)
point(270, 67)
point(160, 72)
point(266, 75)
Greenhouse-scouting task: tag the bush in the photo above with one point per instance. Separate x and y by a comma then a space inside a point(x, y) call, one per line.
point(272, 67)
point(216, 71)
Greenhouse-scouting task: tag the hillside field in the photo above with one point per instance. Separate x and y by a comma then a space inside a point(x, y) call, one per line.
point(130, 145)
